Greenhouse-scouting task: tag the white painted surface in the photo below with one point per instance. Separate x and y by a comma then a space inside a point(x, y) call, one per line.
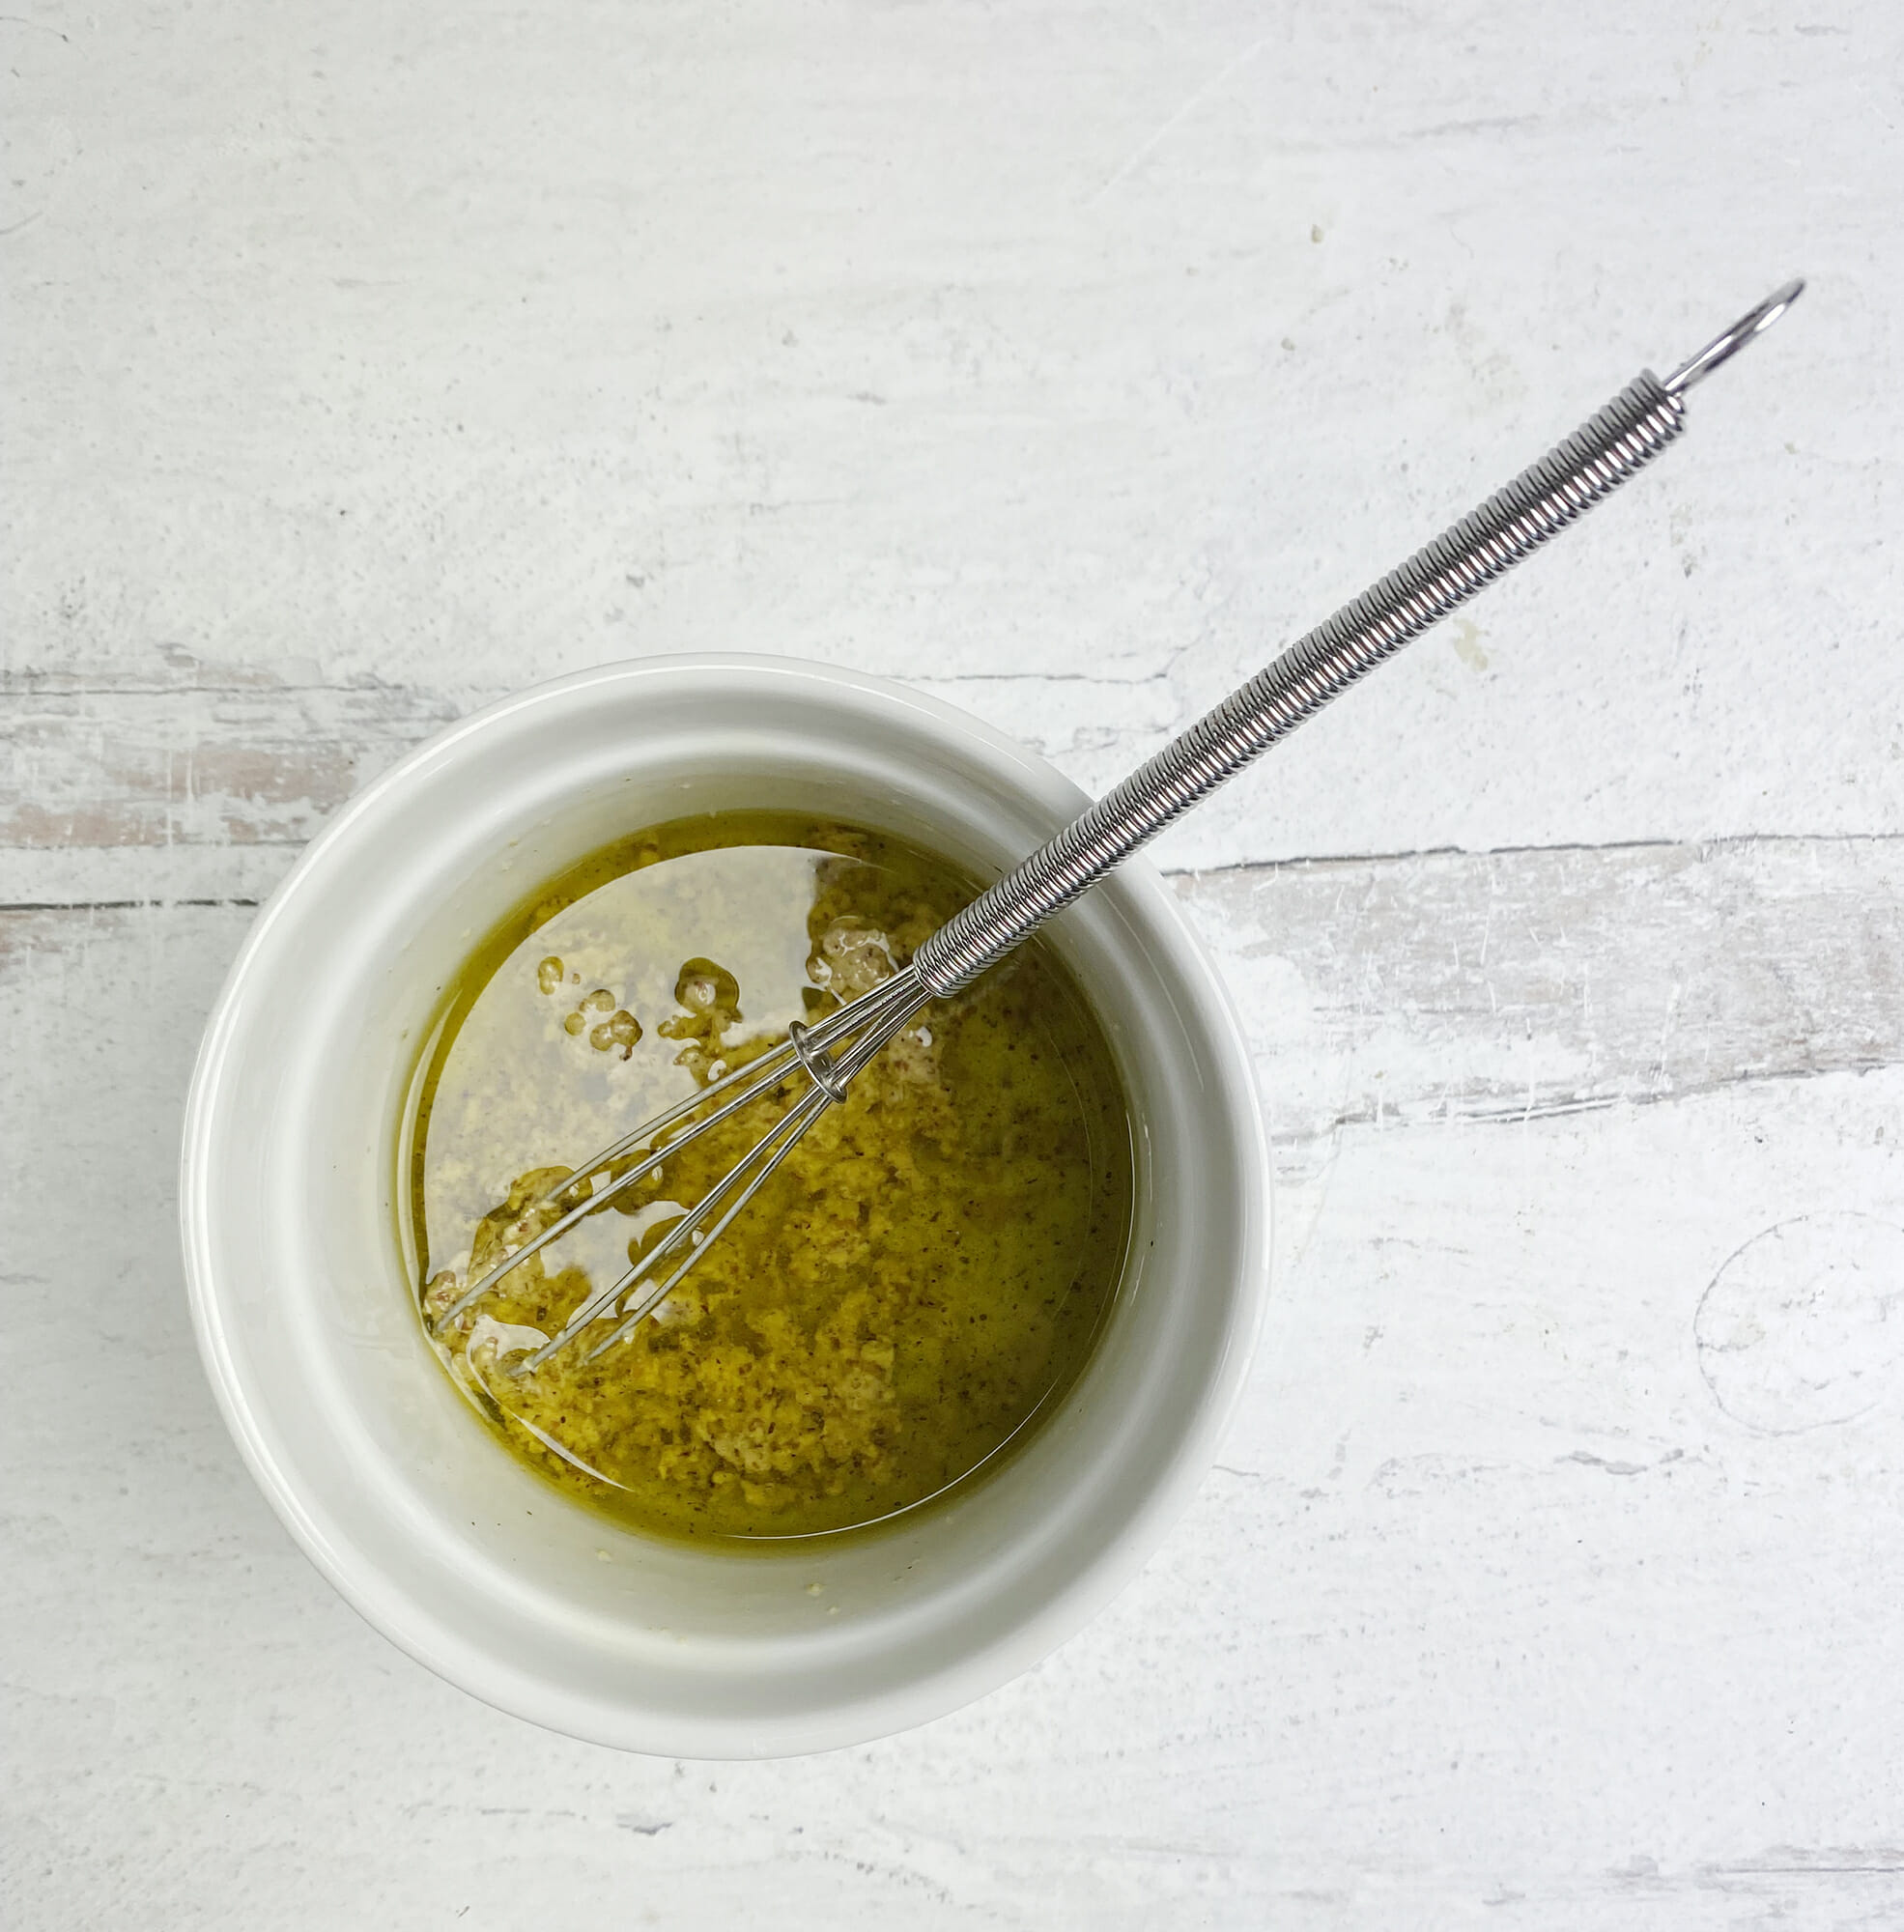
point(364, 363)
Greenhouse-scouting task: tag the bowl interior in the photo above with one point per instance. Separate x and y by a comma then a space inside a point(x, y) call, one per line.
point(396, 1488)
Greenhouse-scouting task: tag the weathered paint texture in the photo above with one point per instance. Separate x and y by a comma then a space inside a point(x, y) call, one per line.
point(365, 363)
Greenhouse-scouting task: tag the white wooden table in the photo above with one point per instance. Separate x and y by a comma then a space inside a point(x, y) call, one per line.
point(364, 363)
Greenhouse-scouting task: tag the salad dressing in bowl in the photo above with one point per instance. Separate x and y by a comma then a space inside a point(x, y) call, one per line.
point(913, 1290)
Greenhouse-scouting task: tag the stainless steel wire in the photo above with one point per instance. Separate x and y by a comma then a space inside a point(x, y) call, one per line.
point(1510, 525)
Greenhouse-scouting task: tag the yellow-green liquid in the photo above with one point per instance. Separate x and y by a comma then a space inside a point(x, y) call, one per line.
point(912, 1290)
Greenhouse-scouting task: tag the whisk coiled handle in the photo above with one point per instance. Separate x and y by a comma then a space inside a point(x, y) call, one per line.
point(1511, 525)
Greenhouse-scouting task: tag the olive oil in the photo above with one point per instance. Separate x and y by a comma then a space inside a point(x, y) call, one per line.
point(911, 1294)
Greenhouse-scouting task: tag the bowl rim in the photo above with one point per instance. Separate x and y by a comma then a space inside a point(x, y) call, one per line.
point(1035, 1635)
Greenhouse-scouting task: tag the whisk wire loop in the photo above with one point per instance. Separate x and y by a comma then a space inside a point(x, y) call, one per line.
point(753, 1171)
point(736, 1091)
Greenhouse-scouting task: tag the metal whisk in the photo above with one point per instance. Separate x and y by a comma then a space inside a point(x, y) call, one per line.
point(1511, 525)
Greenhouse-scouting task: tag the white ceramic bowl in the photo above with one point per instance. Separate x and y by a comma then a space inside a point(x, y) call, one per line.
point(395, 1489)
